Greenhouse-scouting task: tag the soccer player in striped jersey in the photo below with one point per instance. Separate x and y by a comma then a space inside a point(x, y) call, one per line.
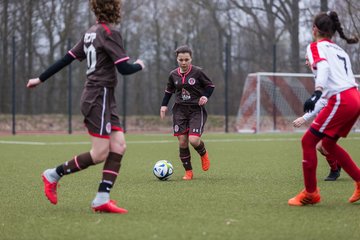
point(192, 89)
point(102, 48)
point(335, 82)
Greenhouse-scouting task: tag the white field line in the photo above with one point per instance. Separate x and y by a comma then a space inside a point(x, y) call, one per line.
point(4, 142)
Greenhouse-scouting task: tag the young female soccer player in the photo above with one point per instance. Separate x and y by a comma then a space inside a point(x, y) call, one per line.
point(192, 89)
point(334, 81)
point(103, 49)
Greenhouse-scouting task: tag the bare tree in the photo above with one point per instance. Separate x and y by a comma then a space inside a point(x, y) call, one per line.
point(323, 5)
point(152, 29)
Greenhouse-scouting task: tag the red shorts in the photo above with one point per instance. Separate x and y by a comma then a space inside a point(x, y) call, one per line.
point(340, 114)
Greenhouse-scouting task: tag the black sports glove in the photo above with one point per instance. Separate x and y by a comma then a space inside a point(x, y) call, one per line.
point(309, 104)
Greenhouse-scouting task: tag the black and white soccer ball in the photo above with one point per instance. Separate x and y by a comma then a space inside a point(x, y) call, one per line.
point(163, 169)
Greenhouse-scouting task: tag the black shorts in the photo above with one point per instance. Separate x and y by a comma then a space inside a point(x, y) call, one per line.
point(188, 119)
point(98, 106)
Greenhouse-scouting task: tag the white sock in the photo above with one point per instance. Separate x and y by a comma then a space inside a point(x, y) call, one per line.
point(100, 199)
point(51, 175)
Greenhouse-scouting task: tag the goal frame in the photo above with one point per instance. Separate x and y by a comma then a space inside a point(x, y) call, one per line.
point(258, 76)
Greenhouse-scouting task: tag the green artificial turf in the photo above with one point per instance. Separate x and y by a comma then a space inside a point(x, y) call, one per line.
point(243, 195)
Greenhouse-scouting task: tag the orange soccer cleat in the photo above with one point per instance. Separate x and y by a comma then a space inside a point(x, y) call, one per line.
point(109, 207)
point(356, 195)
point(188, 175)
point(205, 162)
point(50, 189)
point(305, 198)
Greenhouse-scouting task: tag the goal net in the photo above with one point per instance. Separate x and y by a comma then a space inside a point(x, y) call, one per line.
point(272, 101)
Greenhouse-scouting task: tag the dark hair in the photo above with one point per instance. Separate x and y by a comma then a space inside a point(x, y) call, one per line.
point(328, 23)
point(183, 49)
point(106, 10)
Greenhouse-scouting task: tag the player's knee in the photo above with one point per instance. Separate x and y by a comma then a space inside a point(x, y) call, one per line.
point(99, 155)
point(328, 144)
point(118, 147)
point(194, 141)
point(309, 165)
point(322, 150)
point(183, 143)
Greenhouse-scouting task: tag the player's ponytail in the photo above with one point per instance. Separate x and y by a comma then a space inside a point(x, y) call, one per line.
point(337, 27)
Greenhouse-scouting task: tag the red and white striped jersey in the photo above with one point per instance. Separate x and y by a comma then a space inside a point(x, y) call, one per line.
point(340, 76)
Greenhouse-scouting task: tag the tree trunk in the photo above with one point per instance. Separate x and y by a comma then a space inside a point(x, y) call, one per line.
point(294, 35)
point(324, 5)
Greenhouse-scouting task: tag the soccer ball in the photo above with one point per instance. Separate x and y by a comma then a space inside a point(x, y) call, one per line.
point(163, 169)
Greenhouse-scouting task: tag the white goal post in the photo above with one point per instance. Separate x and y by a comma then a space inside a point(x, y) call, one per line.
point(271, 101)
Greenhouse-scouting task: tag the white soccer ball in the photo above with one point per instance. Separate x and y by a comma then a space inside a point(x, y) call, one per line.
point(163, 169)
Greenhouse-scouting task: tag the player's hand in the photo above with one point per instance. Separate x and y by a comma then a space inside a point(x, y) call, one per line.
point(141, 63)
point(163, 111)
point(33, 82)
point(309, 104)
point(203, 100)
point(298, 122)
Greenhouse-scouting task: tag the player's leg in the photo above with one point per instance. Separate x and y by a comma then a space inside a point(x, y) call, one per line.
point(346, 162)
point(98, 153)
point(342, 121)
point(196, 129)
point(334, 166)
point(181, 130)
point(97, 121)
point(310, 195)
point(102, 202)
point(185, 156)
point(199, 146)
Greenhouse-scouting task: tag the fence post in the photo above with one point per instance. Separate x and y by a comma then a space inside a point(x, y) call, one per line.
point(275, 86)
point(13, 86)
point(226, 78)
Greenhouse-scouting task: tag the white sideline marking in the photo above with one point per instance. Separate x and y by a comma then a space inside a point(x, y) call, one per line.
point(159, 141)
point(41, 143)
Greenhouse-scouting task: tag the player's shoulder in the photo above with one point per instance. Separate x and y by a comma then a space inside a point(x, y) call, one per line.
point(105, 29)
point(174, 71)
point(315, 47)
point(326, 43)
point(312, 45)
point(196, 68)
